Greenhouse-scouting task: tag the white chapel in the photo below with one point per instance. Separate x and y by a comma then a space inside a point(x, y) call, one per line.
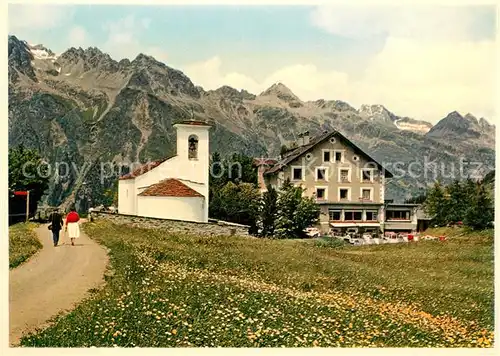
point(175, 187)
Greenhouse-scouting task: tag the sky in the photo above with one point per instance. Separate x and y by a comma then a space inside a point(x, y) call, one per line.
point(421, 62)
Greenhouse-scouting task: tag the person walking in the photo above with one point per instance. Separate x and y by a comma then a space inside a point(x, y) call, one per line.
point(72, 225)
point(56, 225)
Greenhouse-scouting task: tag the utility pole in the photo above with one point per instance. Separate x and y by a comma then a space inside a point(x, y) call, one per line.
point(27, 205)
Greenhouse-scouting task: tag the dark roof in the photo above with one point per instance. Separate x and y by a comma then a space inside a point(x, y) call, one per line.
point(422, 215)
point(299, 151)
point(264, 161)
point(144, 168)
point(170, 188)
point(193, 122)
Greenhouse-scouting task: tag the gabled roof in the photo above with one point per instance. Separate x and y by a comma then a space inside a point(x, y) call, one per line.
point(299, 151)
point(170, 188)
point(144, 168)
point(264, 161)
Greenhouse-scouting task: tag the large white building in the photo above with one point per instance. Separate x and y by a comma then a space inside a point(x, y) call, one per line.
point(175, 187)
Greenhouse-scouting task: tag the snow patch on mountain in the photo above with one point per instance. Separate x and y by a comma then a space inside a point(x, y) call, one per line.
point(40, 52)
point(409, 126)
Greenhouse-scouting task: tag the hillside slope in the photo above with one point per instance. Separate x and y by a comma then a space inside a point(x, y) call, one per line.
point(84, 110)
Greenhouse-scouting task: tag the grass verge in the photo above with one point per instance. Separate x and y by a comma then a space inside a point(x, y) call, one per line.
point(179, 290)
point(23, 243)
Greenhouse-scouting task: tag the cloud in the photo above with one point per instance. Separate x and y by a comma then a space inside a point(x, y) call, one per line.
point(77, 37)
point(420, 22)
point(123, 39)
point(416, 78)
point(158, 53)
point(434, 60)
point(38, 17)
point(209, 75)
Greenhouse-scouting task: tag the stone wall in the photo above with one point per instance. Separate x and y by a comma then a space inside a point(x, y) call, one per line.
point(212, 228)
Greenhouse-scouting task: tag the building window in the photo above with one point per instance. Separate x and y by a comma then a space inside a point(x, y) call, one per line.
point(371, 215)
point(321, 193)
point(353, 215)
point(398, 215)
point(344, 193)
point(193, 147)
point(334, 215)
point(366, 175)
point(366, 194)
point(326, 156)
point(297, 173)
point(321, 174)
point(344, 175)
point(338, 156)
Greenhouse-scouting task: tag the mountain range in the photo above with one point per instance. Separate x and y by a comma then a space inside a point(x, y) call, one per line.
point(86, 109)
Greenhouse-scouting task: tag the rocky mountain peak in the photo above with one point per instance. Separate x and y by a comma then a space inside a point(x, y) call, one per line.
point(485, 124)
point(471, 118)
point(334, 104)
point(94, 52)
point(146, 60)
point(91, 58)
point(456, 125)
point(155, 77)
point(42, 48)
point(72, 53)
point(230, 92)
point(125, 62)
point(376, 112)
point(280, 91)
point(20, 58)
point(454, 115)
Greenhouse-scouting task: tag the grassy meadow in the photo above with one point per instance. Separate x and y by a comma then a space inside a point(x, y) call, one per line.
point(167, 290)
point(23, 243)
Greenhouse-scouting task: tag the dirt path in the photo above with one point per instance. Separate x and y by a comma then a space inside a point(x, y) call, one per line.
point(53, 281)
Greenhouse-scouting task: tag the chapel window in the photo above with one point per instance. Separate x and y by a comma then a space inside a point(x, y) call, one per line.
point(193, 147)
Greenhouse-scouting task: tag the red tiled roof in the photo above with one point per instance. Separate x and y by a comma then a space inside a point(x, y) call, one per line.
point(170, 188)
point(144, 169)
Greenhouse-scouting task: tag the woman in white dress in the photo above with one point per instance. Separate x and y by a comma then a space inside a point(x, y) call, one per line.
point(72, 225)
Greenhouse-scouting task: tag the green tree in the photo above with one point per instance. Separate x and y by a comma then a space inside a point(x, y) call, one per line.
point(217, 179)
point(283, 150)
point(295, 212)
point(237, 169)
point(27, 171)
point(216, 171)
point(111, 195)
point(241, 169)
point(459, 201)
point(269, 211)
point(480, 213)
point(435, 205)
point(239, 203)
